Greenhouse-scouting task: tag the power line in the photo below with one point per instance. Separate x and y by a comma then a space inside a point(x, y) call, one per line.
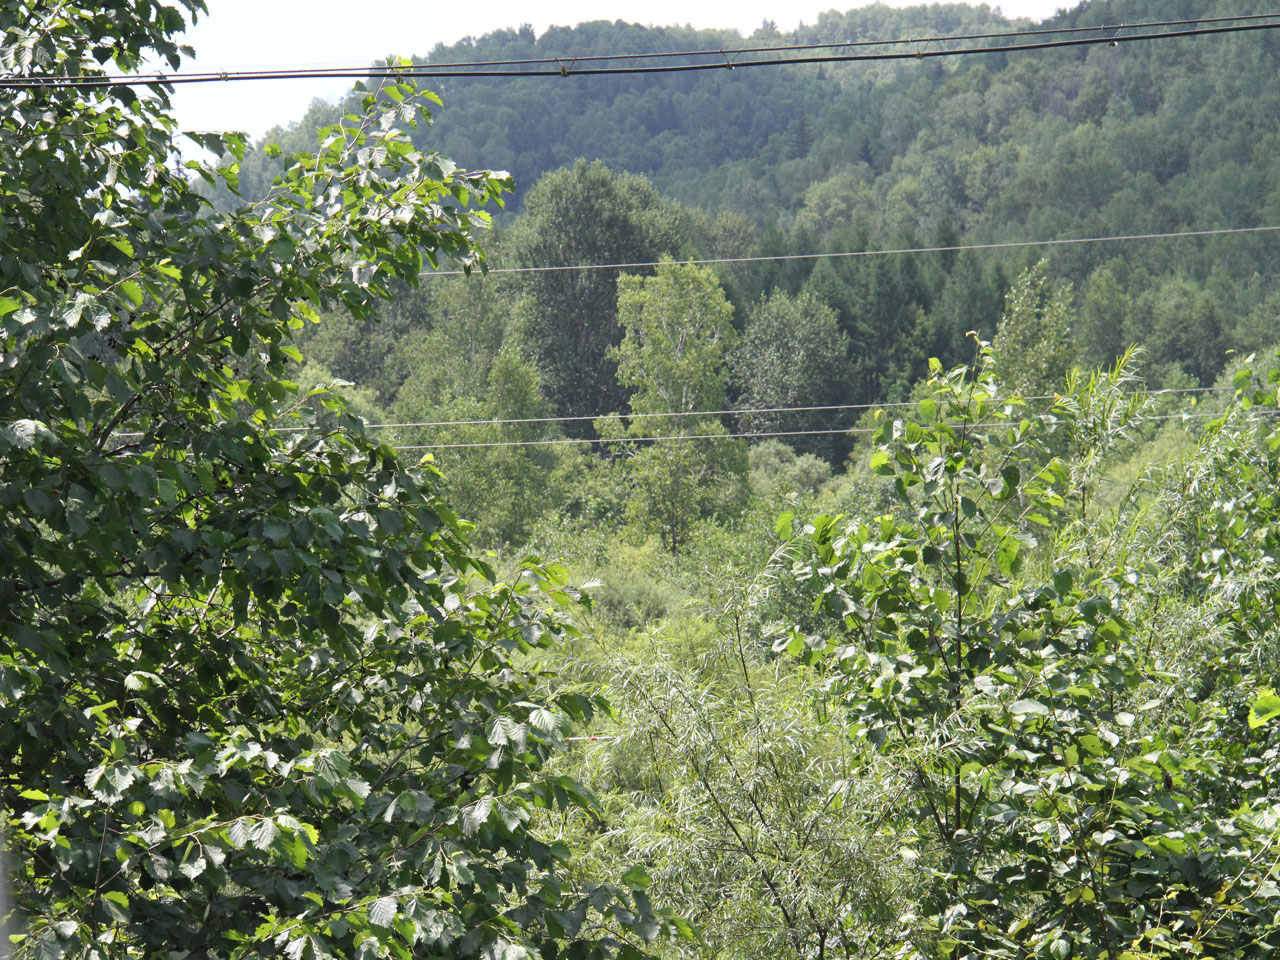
point(716, 413)
point(625, 416)
point(562, 441)
point(955, 248)
point(431, 71)
point(886, 405)
point(559, 441)
point(638, 416)
point(845, 44)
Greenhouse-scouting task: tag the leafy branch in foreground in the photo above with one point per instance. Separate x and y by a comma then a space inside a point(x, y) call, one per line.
point(1074, 792)
point(744, 797)
point(256, 695)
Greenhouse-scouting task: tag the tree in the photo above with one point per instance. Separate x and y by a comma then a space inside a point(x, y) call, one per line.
point(256, 695)
point(1035, 336)
point(509, 478)
point(793, 353)
point(1074, 784)
point(971, 298)
point(678, 331)
point(878, 301)
point(1104, 318)
point(1183, 324)
point(734, 783)
point(677, 334)
point(585, 214)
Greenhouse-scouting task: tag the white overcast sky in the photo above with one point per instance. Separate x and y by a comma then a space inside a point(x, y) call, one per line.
point(238, 34)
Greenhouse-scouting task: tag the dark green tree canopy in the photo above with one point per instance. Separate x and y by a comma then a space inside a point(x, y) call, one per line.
point(585, 214)
point(793, 354)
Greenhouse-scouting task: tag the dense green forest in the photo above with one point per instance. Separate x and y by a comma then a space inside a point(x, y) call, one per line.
point(368, 591)
point(1084, 142)
point(1081, 142)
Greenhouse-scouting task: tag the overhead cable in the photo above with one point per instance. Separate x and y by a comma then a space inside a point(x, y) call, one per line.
point(566, 68)
point(563, 441)
point(745, 411)
point(953, 248)
point(843, 44)
point(559, 441)
point(721, 413)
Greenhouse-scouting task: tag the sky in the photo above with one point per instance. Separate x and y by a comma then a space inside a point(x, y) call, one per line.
point(244, 34)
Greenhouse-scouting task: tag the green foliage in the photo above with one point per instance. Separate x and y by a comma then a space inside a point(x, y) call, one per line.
point(510, 477)
point(880, 302)
point(1185, 327)
point(793, 354)
point(1155, 137)
point(1072, 790)
point(633, 594)
point(678, 330)
point(1104, 327)
point(1035, 336)
point(676, 483)
point(775, 466)
point(731, 780)
point(584, 214)
point(448, 336)
point(256, 695)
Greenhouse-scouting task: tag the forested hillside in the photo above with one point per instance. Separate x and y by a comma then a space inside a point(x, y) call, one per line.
point(1083, 142)
point(654, 553)
point(1060, 144)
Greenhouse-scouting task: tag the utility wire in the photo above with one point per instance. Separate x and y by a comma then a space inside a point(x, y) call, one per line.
point(559, 441)
point(360, 69)
point(562, 441)
point(845, 44)
point(563, 70)
point(783, 257)
point(772, 258)
point(888, 404)
point(718, 413)
point(639, 416)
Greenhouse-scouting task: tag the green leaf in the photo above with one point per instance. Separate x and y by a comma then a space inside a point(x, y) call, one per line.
point(132, 292)
point(475, 815)
point(543, 720)
point(263, 834)
point(1012, 477)
point(1093, 745)
point(636, 878)
point(383, 911)
point(238, 832)
point(117, 905)
point(1063, 582)
point(784, 526)
point(1028, 706)
point(24, 433)
point(1007, 556)
point(193, 868)
point(1265, 708)
point(569, 921)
